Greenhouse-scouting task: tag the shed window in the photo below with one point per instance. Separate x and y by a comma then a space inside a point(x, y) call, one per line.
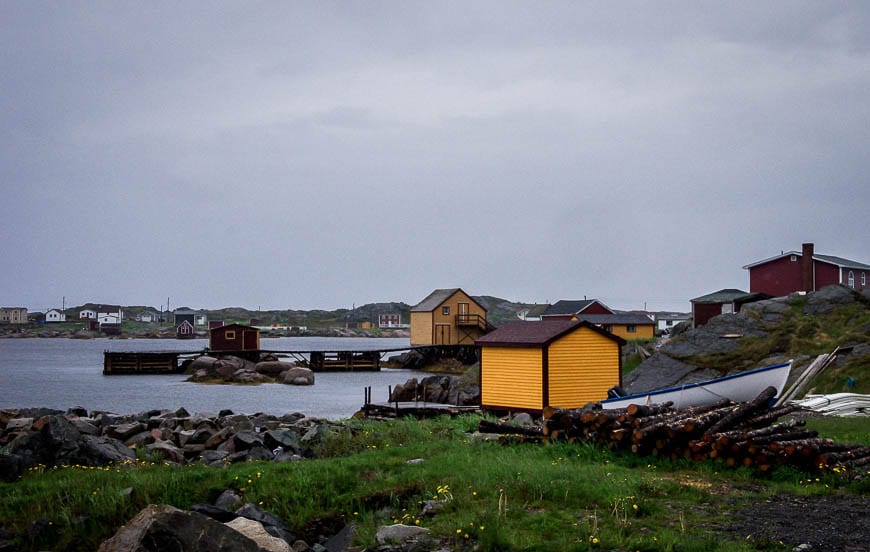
point(445, 311)
point(631, 329)
point(230, 335)
point(851, 279)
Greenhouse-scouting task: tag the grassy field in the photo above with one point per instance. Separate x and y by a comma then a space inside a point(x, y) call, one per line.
point(558, 497)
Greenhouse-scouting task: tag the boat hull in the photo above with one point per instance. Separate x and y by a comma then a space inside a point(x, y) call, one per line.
point(739, 387)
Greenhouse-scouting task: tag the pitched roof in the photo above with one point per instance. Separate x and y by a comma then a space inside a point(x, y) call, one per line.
point(544, 332)
point(434, 299)
point(623, 318)
point(721, 296)
point(830, 259)
point(565, 307)
point(840, 261)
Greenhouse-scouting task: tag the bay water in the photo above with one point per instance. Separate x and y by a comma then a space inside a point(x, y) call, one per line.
point(61, 373)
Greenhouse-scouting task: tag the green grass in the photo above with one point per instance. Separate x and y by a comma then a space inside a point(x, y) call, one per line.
point(558, 496)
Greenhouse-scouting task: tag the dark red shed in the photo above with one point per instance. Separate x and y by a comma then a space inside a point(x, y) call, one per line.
point(234, 337)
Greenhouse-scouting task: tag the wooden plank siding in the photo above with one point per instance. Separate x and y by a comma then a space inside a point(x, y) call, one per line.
point(422, 328)
point(513, 378)
point(583, 366)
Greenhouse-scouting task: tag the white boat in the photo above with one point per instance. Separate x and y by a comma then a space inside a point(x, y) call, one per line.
point(739, 387)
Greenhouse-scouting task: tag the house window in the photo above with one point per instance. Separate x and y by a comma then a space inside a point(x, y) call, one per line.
point(230, 335)
point(445, 311)
point(851, 279)
point(863, 279)
point(794, 258)
point(631, 329)
point(608, 328)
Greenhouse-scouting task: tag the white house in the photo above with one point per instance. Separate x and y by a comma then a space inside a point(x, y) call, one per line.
point(88, 314)
point(147, 316)
point(667, 320)
point(110, 311)
point(106, 318)
point(55, 315)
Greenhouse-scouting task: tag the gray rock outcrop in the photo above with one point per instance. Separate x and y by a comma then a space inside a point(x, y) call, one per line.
point(160, 527)
point(671, 364)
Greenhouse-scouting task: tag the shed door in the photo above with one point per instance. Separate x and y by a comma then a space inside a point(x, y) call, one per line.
point(250, 340)
point(442, 334)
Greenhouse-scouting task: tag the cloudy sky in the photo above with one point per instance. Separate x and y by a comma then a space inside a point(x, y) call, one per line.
point(319, 155)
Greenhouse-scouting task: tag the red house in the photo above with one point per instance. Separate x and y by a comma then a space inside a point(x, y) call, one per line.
point(567, 309)
point(805, 271)
point(234, 337)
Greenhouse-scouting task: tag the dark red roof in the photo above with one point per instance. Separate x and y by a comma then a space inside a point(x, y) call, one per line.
point(540, 333)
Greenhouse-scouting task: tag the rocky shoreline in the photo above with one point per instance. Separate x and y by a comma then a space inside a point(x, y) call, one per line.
point(39, 438)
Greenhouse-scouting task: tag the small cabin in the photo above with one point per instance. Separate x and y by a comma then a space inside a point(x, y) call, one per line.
point(185, 330)
point(234, 337)
point(528, 366)
point(448, 317)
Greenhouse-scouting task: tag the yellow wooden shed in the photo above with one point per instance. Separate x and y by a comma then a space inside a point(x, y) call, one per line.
point(528, 366)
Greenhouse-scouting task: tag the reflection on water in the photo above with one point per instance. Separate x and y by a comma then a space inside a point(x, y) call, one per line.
point(61, 373)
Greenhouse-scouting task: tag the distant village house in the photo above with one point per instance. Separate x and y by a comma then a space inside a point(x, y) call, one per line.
point(624, 325)
point(13, 315)
point(448, 317)
point(390, 320)
point(54, 315)
point(805, 270)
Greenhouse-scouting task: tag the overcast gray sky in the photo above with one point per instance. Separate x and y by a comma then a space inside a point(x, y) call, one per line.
point(317, 154)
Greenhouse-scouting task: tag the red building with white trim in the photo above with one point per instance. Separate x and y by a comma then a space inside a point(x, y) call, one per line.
point(805, 270)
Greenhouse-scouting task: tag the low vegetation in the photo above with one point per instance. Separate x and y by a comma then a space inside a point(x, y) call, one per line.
point(801, 335)
point(486, 496)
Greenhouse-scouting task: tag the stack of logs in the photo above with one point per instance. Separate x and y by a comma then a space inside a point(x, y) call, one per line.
point(738, 434)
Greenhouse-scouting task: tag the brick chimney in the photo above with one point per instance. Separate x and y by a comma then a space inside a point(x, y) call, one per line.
point(807, 274)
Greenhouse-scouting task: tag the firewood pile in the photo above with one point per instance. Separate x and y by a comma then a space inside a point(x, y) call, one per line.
point(737, 434)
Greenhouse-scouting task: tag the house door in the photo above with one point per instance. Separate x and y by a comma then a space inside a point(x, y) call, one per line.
point(442, 334)
point(463, 312)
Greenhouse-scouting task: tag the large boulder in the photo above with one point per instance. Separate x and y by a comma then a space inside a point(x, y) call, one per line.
point(271, 368)
point(299, 376)
point(160, 527)
point(829, 298)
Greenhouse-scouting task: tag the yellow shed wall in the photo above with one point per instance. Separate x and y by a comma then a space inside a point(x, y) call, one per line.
point(583, 366)
point(511, 377)
point(421, 328)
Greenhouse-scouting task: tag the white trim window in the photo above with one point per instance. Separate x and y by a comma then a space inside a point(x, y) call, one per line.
point(851, 280)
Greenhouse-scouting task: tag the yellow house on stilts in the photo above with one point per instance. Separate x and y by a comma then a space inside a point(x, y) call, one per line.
point(528, 366)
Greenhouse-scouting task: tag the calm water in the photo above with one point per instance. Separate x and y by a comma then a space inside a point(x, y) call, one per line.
point(62, 373)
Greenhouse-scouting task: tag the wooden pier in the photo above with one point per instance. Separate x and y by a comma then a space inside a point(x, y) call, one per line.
point(416, 409)
point(172, 362)
point(141, 363)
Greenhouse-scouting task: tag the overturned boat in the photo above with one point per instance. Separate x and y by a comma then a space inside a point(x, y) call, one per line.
point(738, 387)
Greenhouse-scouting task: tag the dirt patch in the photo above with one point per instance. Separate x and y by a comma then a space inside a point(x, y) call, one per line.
point(827, 523)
